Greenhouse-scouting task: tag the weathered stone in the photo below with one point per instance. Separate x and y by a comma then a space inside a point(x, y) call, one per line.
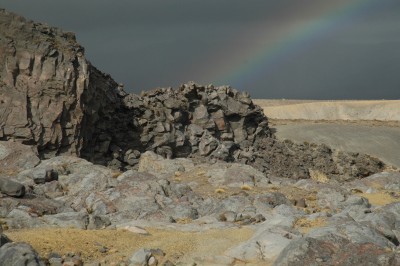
point(207, 145)
point(41, 176)
point(78, 220)
point(140, 257)
point(334, 250)
point(11, 188)
point(19, 254)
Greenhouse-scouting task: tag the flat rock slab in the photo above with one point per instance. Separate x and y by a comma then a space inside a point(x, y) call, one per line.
point(382, 142)
point(15, 157)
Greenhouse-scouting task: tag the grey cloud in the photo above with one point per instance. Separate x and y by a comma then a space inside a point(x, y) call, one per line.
point(150, 43)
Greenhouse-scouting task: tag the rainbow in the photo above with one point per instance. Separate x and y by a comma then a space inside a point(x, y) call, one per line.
point(253, 59)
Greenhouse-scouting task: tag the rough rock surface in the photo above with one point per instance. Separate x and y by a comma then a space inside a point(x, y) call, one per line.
point(335, 250)
point(19, 254)
point(15, 157)
point(50, 95)
point(180, 194)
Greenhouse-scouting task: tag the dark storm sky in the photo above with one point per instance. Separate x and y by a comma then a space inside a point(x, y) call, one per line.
point(310, 49)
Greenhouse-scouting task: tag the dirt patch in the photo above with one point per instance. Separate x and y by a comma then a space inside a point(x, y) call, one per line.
point(179, 246)
point(305, 225)
point(381, 198)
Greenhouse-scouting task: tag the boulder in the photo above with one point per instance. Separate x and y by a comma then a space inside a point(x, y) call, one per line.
point(16, 157)
point(335, 250)
point(11, 188)
point(79, 220)
point(155, 164)
point(19, 254)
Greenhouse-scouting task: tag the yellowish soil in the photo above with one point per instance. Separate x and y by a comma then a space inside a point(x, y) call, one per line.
point(179, 246)
point(380, 198)
point(304, 225)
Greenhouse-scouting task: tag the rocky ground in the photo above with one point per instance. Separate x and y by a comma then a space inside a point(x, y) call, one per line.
point(188, 176)
point(181, 212)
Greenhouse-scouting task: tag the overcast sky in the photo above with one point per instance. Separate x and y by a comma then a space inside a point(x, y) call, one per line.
point(310, 49)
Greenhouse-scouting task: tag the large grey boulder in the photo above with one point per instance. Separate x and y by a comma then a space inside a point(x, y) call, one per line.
point(11, 188)
point(271, 237)
point(15, 157)
point(19, 254)
point(354, 232)
point(155, 164)
point(335, 250)
point(234, 175)
point(140, 257)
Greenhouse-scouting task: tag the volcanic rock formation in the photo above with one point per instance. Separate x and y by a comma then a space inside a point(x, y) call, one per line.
point(53, 98)
point(50, 95)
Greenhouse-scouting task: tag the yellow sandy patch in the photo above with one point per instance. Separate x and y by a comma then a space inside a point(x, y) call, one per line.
point(380, 198)
point(304, 225)
point(121, 243)
point(318, 176)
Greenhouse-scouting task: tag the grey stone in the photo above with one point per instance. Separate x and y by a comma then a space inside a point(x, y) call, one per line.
point(15, 157)
point(155, 164)
point(79, 220)
point(19, 254)
point(41, 175)
point(11, 188)
point(207, 144)
point(354, 232)
point(334, 250)
point(235, 175)
point(140, 257)
point(332, 198)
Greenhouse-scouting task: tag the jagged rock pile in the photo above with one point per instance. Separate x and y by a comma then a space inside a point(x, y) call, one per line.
point(192, 120)
point(223, 124)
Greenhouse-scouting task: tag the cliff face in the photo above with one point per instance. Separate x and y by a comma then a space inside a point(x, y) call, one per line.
point(50, 95)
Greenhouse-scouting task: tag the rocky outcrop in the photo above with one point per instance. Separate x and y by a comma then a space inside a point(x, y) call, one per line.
point(199, 120)
point(52, 98)
point(50, 95)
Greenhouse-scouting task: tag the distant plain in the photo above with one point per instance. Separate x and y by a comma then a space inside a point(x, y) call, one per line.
point(371, 127)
